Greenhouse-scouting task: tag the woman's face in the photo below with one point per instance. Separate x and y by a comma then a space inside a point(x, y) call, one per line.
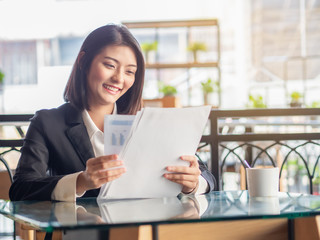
point(111, 74)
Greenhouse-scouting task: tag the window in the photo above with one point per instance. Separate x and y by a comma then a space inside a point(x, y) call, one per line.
point(18, 60)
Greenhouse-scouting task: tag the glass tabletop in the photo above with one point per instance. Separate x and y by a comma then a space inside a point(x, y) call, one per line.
point(215, 206)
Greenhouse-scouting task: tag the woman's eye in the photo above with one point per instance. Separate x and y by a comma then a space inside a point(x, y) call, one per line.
point(131, 72)
point(109, 65)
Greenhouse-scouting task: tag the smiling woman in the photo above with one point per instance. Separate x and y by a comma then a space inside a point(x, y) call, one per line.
point(97, 47)
point(111, 75)
point(63, 153)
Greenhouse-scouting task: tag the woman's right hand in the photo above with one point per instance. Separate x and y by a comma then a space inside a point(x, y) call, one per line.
point(99, 171)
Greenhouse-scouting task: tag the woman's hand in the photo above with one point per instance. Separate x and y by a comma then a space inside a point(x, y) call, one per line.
point(84, 216)
point(190, 209)
point(99, 171)
point(187, 176)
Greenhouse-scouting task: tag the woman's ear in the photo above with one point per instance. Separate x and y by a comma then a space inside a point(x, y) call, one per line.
point(80, 58)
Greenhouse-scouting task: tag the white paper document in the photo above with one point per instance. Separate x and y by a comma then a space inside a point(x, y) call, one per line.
point(157, 139)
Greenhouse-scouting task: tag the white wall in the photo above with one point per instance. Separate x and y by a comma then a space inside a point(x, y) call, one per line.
point(48, 18)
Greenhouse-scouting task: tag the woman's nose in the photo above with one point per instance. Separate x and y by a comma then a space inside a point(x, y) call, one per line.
point(118, 76)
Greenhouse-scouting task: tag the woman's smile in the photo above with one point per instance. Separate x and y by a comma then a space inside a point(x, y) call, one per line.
point(111, 89)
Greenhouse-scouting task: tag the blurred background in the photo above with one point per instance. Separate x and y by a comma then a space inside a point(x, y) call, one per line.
point(265, 52)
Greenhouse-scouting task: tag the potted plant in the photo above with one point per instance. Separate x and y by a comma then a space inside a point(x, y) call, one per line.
point(296, 98)
point(1, 79)
point(209, 87)
point(195, 47)
point(147, 47)
point(168, 90)
point(315, 104)
point(169, 95)
point(256, 102)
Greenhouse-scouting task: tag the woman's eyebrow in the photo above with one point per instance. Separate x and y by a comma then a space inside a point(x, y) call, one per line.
point(113, 59)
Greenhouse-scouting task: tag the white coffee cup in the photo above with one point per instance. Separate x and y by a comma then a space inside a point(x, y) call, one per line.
point(263, 182)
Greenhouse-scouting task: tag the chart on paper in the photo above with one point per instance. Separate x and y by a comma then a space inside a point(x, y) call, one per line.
point(116, 130)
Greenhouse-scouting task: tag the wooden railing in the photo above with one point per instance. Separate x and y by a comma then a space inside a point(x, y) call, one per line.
point(223, 142)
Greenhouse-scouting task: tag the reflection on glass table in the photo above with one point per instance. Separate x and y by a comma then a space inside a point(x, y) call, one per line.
point(216, 206)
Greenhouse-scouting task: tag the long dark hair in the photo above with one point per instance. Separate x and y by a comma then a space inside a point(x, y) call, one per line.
point(112, 34)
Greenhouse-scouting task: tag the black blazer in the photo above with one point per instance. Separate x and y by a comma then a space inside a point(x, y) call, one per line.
point(56, 144)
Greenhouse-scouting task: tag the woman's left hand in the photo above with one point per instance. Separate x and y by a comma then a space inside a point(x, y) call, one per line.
point(187, 176)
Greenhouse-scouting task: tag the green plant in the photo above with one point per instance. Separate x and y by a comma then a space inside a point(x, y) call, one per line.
point(208, 87)
point(167, 90)
point(195, 47)
point(256, 102)
point(1, 77)
point(316, 178)
point(315, 104)
point(296, 97)
point(147, 47)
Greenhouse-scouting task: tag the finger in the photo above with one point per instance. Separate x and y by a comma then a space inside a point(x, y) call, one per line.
point(107, 176)
point(181, 177)
point(96, 176)
point(110, 177)
point(101, 159)
point(193, 170)
point(112, 172)
point(189, 182)
point(190, 158)
point(188, 186)
point(103, 165)
point(109, 165)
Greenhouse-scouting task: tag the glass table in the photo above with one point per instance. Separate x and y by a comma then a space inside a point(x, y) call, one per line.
point(228, 213)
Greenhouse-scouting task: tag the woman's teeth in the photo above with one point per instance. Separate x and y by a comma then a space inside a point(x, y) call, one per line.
point(111, 88)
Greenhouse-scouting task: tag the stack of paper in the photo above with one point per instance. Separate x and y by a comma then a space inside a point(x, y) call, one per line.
point(157, 139)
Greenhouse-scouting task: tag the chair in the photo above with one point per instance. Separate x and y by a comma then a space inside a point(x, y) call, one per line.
point(7, 146)
point(5, 179)
point(5, 182)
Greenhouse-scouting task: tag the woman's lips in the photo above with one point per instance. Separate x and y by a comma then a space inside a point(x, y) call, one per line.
point(111, 89)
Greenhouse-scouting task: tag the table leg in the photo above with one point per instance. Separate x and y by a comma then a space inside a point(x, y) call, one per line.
point(307, 228)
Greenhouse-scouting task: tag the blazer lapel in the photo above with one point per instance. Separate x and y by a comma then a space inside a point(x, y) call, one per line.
point(78, 136)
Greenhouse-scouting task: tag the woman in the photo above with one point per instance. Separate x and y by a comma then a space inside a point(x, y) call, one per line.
point(62, 156)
